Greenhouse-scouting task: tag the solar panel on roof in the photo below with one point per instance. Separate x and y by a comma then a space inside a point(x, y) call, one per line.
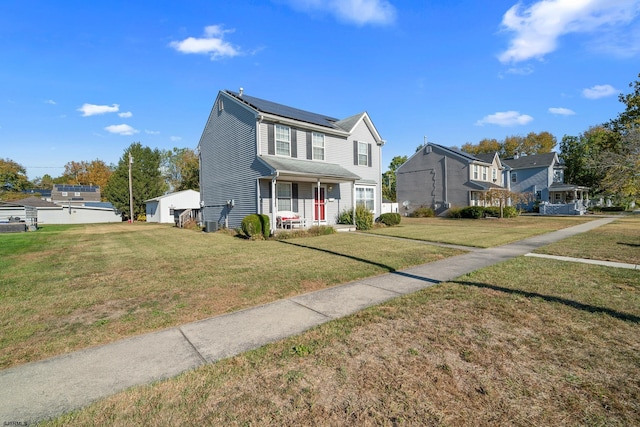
point(285, 111)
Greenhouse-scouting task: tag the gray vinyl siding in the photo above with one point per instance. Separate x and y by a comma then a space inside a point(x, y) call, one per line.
point(531, 180)
point(422, 181)
point(229, 168)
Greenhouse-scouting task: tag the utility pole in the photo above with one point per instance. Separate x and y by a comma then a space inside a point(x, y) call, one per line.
point(130, 190)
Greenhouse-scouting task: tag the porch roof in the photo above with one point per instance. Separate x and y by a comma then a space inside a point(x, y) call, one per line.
point(485, 186)
point(567, 187)
point(309, 170)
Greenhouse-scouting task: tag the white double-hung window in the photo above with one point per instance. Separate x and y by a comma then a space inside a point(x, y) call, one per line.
point(283, 193)
point(283, 140)
point(365, 196)
point(318, 145)
point(363, 154)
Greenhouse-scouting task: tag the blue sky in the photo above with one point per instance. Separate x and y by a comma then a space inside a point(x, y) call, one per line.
point(82, 80)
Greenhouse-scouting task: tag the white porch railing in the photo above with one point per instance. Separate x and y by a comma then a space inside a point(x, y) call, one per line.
point(572, 208)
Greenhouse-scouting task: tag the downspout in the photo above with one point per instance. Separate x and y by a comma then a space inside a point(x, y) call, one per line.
point(445, 181)
point(353, 200)
point(258, 122)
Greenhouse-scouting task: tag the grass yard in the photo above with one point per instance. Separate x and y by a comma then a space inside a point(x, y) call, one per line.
point(527, 342)
point(64, 288)
point(482, 233)
point(618, 241)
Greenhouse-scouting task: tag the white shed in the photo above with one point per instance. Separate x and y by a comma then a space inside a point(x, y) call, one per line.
point(162, 209)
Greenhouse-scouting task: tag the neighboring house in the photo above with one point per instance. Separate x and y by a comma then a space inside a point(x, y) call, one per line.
point(75, 194)
point(543, 176)
point(165, 209)
point(439, 177)
point(257, 156)
point(52, 213)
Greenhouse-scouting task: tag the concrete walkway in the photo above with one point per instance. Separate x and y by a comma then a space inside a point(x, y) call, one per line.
point(51, 387)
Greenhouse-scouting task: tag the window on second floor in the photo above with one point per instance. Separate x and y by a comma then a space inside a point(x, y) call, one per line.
point(476, 174)
point(363, 154)
point(318, 146)
point(558, 176)
point(514, 177)
point(283, 140)
point(485, 171)
point(494, 175)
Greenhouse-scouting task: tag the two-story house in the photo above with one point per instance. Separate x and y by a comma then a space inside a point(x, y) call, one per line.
point(257, 156)
point(440, 177)
point(543, 176)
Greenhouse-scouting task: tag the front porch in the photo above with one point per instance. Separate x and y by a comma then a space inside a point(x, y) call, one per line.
point(300, 194)
point(566, 199)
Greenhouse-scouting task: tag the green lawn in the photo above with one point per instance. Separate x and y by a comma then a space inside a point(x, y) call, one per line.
point(618, 241)
point(64, 288)
point(527, 342)
point(482, 233)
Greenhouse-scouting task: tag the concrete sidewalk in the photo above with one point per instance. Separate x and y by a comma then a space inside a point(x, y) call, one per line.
point(49, 388)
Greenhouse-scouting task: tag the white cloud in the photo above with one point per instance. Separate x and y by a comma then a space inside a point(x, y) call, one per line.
point(359, 12)
point(599, 91)
point(212, 44)
point(152, 132)
point(93, 110)
point(175, 138)
point(125, 115)
point(538, 27)
point(50, 102)
point(121, 129)
point(506, 118)
point(561, 111)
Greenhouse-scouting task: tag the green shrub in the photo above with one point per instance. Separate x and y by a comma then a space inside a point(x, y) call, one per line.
point(423, 212)
point(251, 225)
point(492, 211)
point(364, 217)
point(390, 219)
point(265, 223)
point(612, 209)
point(455, 213)
point(510, 212)
point(473, 212)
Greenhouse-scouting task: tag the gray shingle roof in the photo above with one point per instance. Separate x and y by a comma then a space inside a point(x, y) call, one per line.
point(531, 161)
point(309, 168)
point(269, 107)
point(35, 202)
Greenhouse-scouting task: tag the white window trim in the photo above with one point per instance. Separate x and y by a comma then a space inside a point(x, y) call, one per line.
point(288, 141)
point(314, 139)
point(476, 173)
point(373, 194)
point(365, 154)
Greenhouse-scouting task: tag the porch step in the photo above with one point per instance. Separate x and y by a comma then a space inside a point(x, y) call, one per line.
point(344, 227)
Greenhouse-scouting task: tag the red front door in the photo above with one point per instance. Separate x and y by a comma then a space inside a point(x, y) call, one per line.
point(318, 205)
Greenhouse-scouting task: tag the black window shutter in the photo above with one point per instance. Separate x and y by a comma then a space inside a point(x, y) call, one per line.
point(270, 198)
point(294, 197)
point(271, 139)
point(309, 147)
point(294, 143)
point(369, 155)
point(355, 153)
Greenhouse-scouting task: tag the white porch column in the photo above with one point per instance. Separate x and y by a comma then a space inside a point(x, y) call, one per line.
point(274, 205)
point(316, 202)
